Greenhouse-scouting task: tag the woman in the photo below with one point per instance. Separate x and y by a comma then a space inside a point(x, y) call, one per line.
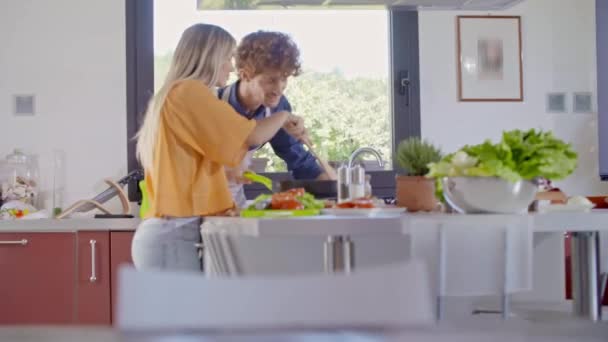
point(187, 138)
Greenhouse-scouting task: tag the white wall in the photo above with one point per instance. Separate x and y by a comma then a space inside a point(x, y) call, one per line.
point(559, 56)
point(71, 55)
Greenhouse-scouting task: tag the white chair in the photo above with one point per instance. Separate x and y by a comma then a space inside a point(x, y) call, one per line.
point(473, 256)
point(395, 296)
point(219, 257)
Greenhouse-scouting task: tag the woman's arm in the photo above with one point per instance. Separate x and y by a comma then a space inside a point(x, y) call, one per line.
point(267, 128)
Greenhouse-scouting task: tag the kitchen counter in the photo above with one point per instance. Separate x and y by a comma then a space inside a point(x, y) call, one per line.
point(322, 225)
point(69, 225)
point(428, 239)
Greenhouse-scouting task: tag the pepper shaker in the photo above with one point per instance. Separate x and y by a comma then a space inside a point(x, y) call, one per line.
point(357, 182)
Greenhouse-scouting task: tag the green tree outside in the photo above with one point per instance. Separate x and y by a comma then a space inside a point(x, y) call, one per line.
point(341, 113)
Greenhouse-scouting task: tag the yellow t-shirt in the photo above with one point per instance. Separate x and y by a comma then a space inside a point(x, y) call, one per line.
point(198, 134)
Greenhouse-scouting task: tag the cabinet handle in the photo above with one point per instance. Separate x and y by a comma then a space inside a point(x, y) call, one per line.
point(21, 242)
point(93, 277)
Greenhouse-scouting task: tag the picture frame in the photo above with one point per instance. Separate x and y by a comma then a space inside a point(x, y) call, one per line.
point(489, 58)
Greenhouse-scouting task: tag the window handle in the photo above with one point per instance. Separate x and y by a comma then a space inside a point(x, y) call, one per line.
point(404, 85)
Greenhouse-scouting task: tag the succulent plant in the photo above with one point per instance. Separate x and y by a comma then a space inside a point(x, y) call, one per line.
point(414, 155)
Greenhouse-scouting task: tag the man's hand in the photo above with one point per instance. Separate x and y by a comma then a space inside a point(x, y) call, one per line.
point(329, 173)
point(294, 126)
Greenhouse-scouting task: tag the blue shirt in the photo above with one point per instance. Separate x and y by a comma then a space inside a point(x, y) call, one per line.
point(301, 163)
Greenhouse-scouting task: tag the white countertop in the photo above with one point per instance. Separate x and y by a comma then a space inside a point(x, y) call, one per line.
point(68, 225)
point(306, 226)
point(556, 222)
point(596, 220)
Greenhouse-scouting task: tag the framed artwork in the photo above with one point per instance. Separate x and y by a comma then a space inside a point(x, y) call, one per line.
point(489, 58)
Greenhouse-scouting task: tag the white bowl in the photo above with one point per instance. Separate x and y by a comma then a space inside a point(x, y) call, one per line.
point(488, 195)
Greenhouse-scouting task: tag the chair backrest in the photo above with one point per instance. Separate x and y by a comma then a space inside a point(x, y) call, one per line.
point(389, 297)
point(478, 256)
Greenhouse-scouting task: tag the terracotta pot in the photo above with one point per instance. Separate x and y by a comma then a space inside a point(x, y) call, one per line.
point(416, 193)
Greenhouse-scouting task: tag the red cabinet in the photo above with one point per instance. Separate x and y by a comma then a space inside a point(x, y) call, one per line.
point(120, 255)
point(93, 278)
point(61, 278)
point(37, 278)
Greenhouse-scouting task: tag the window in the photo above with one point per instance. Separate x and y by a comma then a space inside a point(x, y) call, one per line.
point(343, 93)
point(351, 92)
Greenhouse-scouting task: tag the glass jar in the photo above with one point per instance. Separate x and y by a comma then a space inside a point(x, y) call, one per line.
point(20, 178)
point(59, 181)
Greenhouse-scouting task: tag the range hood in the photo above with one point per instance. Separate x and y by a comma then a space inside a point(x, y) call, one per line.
point(447, 5)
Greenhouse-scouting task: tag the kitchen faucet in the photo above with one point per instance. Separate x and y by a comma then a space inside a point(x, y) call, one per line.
point(362, 150)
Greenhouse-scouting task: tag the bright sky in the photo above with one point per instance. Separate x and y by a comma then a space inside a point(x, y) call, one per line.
point(352, 41)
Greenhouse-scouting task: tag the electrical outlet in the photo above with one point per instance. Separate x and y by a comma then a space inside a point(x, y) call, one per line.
point(24, 105)
point(556, 102)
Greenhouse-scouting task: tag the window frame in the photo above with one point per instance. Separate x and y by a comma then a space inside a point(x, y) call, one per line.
point(405, 107)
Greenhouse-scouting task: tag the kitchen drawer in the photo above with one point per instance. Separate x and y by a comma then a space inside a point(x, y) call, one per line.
point(37, 273)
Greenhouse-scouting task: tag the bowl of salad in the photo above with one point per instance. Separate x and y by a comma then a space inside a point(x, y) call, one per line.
point(502, 177)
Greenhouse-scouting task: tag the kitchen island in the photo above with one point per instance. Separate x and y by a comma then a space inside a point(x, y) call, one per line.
point(81, 256)
point(338, 247)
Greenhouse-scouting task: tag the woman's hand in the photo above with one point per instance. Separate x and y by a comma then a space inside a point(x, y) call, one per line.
point(232, 212)
point(235, 175)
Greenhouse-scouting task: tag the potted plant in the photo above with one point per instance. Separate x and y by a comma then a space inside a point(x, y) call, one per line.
point(414, 190)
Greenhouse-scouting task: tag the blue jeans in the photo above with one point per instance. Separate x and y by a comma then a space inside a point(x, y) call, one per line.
point(167, 244)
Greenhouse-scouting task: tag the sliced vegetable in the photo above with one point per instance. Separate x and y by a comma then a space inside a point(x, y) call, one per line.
point(361, 203)
point(293, 199)
point(254, 177)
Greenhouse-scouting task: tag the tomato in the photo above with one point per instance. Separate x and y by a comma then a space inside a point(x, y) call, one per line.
point(346, 205)
point(285, 201)
point(295, 192)
point(287, 204)
point(360, 203)
point(363, 203)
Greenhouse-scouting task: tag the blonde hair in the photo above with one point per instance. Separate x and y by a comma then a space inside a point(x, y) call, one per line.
point(201, 51)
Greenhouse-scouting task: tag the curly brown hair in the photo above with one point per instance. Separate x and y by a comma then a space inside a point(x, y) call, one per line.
point(267, 50)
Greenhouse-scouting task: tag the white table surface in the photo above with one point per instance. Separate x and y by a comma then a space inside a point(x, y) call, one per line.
point(342, 225)
point(306, 226)
point(596, 220)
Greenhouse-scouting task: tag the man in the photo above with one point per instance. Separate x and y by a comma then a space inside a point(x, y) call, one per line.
point(264, 62)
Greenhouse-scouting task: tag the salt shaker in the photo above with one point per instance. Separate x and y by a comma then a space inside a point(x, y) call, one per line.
point(343, 183)
point(357, 182)
point(368, 186)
